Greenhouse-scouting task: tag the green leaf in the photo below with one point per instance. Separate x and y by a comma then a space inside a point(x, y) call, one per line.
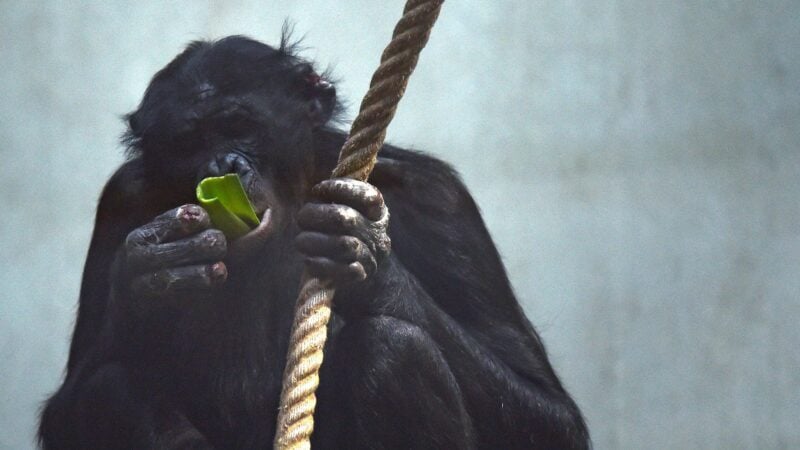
point(226, 202)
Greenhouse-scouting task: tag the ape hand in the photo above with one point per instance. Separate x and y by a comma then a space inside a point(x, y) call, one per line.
point(344, 235)
point(175, 254)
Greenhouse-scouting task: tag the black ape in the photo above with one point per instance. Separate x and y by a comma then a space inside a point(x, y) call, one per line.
point(181, 336)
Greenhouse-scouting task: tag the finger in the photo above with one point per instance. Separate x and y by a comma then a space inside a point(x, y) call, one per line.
point(327, 268)
point(173, 224)
point(329, 218)
point(342, 249)
point(364, 197)
point(339, 247)
point(177, 280)
point(205, 247)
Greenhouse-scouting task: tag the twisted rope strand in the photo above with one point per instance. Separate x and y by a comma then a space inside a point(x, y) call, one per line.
point(356, 160)
point(386, 88)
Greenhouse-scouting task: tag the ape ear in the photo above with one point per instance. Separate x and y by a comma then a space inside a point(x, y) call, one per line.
point(133, 123)
point(318, 92)
point(321, 101)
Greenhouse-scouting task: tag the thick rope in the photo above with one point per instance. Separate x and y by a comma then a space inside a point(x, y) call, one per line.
point(356, 160)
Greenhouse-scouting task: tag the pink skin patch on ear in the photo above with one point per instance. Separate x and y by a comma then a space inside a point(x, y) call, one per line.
point(317, 82)
point(313, 79)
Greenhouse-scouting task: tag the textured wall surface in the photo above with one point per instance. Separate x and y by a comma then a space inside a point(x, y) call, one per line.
point(637, 163)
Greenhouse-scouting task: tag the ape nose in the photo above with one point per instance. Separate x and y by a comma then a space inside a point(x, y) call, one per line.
point(225, 163)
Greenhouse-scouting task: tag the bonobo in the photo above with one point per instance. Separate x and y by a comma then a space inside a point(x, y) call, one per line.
point(181, 334)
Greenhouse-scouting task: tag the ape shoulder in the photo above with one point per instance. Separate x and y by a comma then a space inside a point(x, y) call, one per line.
point(425, 181)
point(125, 194)
point(115, 216)
point(438, 234)
point(439, 187)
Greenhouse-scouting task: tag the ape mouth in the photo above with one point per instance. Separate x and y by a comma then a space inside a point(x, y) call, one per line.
point(264, 210)
point(264, 228)
point(247, 245)
point(258, 200)
point(231, 208)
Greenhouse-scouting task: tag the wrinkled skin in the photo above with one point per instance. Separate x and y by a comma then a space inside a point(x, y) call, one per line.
point(181, 335)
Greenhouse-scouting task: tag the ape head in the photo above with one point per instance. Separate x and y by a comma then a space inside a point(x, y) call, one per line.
point(233, 105)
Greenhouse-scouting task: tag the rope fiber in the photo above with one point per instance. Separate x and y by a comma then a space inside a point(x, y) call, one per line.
point(356, 160)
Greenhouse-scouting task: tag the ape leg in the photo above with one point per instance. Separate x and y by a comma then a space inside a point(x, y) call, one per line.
point(108, 412)
point(398, 388)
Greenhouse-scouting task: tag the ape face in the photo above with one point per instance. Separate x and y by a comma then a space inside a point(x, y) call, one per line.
point(232, 106)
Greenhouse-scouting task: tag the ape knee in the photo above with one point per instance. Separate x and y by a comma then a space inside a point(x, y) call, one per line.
point(399, 364)
point(395, 350)
point(390, 335)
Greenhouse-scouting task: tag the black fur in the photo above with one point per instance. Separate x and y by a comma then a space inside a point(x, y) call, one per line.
point(432, 351)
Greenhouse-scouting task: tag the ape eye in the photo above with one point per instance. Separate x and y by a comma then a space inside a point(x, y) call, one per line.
point(235, 126)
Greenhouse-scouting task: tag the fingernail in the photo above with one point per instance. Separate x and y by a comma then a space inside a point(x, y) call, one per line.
point(218, 272)
point(188, 213)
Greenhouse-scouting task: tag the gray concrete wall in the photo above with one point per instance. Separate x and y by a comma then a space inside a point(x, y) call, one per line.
point(637, 163)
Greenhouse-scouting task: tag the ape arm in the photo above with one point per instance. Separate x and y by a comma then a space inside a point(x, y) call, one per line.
point(438, 234)
point(127, 202)
point(465, 302)
point(445, 263)
point(101, 403)
point(508, 409)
